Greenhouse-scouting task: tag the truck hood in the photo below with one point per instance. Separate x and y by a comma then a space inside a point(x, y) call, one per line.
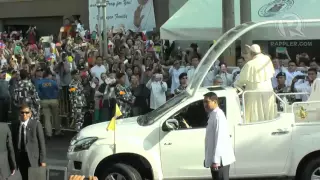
point(100, 130)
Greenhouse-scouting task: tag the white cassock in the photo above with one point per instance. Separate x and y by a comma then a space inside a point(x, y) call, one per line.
point(256, 75)
point(315, 96)
point(315, 91)
point(218, 144)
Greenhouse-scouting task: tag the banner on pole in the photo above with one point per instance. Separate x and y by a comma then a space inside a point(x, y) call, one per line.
point(137, 15)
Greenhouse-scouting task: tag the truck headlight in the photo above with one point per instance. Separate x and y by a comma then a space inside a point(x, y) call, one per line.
point(74, 139)
point(84, 144)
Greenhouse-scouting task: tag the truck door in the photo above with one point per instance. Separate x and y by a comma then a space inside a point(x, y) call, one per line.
point(182, 150)
point(263, 148)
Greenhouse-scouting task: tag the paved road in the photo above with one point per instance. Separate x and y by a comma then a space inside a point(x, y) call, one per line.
point(57, 149)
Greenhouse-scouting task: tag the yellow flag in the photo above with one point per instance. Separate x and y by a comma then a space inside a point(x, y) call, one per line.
point(112, 124)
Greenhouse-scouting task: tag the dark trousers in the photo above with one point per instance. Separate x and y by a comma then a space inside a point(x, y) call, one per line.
point(108, 110)
point(24, 165)
point(221, 174)
point(4, 110)
point(64, 101)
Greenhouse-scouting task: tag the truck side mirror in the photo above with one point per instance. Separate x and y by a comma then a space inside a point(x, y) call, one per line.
point(170, 125)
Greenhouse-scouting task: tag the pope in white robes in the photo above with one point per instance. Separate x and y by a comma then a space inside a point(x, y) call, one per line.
point(256, 76)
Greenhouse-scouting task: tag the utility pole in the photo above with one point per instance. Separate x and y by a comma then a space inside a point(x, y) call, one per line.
point(1, 25)
point(228, 22)
point(99, 27)
point(105, 30)
point(245, 16)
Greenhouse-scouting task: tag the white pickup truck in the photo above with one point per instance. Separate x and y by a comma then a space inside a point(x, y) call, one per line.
point(168, 143)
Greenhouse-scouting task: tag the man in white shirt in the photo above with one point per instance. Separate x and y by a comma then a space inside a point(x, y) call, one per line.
point(304, 85)
point(277, 69)
point(218, 145)
point(292, 72)
point(3, 61)
point(158, 89)
point(98, 69)
point(195, 62)
point(218, 81)
point(315, 65)
point(235, 73)
point(175, 72)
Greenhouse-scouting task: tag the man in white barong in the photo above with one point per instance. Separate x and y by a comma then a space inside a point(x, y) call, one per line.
point(219, 153)
point(256, 76)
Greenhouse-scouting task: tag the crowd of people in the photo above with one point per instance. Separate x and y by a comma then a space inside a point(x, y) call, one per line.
point(68, 75)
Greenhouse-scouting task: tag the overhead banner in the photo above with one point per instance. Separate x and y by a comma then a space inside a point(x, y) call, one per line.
point(137, 15)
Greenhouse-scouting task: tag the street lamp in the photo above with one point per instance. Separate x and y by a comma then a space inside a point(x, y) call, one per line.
point(99, 5)
point(105, 31)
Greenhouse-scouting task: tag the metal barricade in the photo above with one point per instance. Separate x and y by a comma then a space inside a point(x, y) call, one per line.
point(65, 108)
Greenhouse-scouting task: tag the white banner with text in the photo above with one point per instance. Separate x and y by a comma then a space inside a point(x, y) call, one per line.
point(137, 15)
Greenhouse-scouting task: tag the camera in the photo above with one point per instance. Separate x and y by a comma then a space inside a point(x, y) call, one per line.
point(300, 77)
point(64, 56)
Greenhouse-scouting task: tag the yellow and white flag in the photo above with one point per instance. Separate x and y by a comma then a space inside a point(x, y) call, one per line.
point(112, 124)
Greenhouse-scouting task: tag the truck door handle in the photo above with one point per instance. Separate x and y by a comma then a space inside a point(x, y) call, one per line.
point(167, 144)
point(280, 132)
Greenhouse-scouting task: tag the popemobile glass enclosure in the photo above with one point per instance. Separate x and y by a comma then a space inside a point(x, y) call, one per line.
point(282, 41)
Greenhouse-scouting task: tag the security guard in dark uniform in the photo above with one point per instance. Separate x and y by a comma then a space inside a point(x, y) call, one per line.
point(282, 88)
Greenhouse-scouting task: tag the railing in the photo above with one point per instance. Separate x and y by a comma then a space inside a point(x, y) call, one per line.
point(257, 91)
point(308, 111)
point(278, 97)
point(281, 95)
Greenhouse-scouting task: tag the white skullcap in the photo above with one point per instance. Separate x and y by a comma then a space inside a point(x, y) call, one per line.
point(255, 48)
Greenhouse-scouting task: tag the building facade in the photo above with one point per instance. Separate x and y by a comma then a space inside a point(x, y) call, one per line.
point(48, 15)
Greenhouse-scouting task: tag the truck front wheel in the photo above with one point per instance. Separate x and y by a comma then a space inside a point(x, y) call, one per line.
point(311, 170)
point(120, 171)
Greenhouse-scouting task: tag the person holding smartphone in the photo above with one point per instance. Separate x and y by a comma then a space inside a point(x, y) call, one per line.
point(158, 90)
point(304, 83)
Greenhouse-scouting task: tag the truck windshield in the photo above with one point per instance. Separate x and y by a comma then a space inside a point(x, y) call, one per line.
point(153, 116)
